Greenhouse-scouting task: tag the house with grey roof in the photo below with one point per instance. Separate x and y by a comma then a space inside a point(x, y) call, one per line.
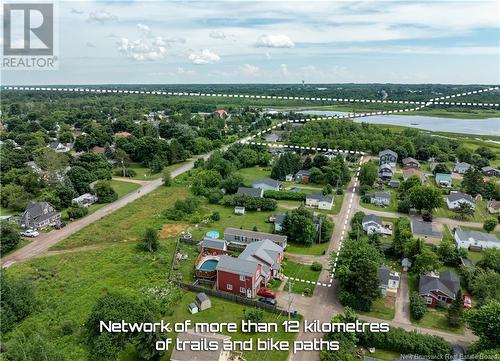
point(85, 200)
point(252, 269)
point(278, 221)
point(425, 231)
point(461, 167)
point(380, 198)
point(475, 239)
point(388, 156)
point(39, 215)
point(320, 201)
point(302, 176)
point(394, 183)
point(439, 289)
point(454, 199)
point(490, 171)
point(58, 147)
point(267, 184)
point(386, 171)
point(443, 180)
point(189, 354)
point(410, 162)
point(244, 237)
point(252, 192)
point(388, 281)
point(213, 244)
point(373, 224)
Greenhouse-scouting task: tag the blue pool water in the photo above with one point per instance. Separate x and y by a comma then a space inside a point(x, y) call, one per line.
point(209, 265)
point(213, 234)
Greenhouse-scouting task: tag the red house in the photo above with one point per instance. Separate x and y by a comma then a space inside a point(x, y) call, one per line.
point(220, 113)
point(253, 269)
point(439, 290)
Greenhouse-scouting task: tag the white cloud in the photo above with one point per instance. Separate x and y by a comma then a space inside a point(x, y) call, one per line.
point(204, 57)
point(76, 11)
point(101, 16)
point(274, 41)
point(217, 34)
point(284, 69)
point(140, 50)
point(248, 69)
point(89, 45)
point(182, 71)
point(144, 29)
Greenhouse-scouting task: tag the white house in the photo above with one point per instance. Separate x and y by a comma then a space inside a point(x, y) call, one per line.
point(388, 281)
point(267, 184)
point(319, 201)
point(386, 171)
point(454, 199)
point(475, 239)
point(85, 200)
point(461, 167)
point(380, 198)
point(373, 224)
point(58, 147)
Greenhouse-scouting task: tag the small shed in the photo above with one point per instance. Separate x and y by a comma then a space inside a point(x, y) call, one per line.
point(405, 263)
point(202, 301)
point(192, 308)
point(289, 177)
point(239, 210)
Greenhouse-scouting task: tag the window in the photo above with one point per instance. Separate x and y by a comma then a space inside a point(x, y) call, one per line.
point(242, 278)
point(242, 290)
point(428, 300)
point(229, 286)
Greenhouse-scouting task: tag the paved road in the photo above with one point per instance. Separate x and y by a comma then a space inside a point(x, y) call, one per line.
point(43, 242)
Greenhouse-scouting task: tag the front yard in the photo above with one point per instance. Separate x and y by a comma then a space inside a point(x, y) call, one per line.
point(302, 272)
point(480, 213)
point(381, 308)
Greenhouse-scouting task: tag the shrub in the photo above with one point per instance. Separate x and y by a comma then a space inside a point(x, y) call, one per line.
point(316, 266)
point(214, 197)
point(130, 173)
point(427, 216)
point(104, 192)
point(167, 178)
point(75, 212)
point(340, 191)
point(285, 195)
point(417, 306)
point(215, 216)
point(307, 291)
point(254, 315)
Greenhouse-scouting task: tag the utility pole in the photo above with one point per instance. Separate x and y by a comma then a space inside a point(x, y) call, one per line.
point(290, 297)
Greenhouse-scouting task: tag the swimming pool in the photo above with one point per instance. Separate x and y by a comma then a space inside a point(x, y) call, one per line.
point(208, 265)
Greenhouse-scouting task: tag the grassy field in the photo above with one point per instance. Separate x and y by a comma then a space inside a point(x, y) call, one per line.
point(316, 249)
point(301, 271)
point(480, 212)
point(128, 223)
point(380, 310)
point(69, 284)
point(144, 173)
point(251, 174)
point(384, 355)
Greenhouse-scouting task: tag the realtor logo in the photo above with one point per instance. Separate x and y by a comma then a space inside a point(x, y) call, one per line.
point(28, 29)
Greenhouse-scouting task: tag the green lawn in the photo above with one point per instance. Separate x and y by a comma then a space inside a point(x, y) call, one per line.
point(384, 355)
point(474, 256)
point(251, 174)
point(436, 319)
point(226, 311)
point(127, 223)
point(480, 213)
point(380, 310)
point(7, 212)
point(300, 271)
point(144, 173)
point(316, 249)
point(393, 205)
point(68, 285)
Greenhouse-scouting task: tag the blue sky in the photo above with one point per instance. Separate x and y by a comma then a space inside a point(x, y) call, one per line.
point(274, 42)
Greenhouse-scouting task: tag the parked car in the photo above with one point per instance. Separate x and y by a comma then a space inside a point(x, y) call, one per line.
point(60, 225)
point(467, 301)
point(270, 301)
point(266, 292)
point(30, 233)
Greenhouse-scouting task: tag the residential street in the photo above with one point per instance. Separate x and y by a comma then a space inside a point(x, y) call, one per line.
point(44, 241)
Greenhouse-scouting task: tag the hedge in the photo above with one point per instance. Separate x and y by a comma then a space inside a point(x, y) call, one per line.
point(285, 195)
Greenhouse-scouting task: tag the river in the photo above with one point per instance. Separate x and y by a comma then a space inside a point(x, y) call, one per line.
point(489, 126)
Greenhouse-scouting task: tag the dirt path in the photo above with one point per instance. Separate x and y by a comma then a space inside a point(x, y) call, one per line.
point(42, 243)
point(402, 307)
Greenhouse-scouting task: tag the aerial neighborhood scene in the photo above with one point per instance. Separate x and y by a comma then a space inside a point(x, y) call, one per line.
point(143, 187)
